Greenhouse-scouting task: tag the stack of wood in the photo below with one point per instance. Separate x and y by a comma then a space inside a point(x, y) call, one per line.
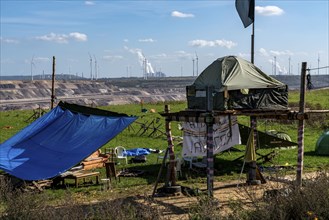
point(95, 160)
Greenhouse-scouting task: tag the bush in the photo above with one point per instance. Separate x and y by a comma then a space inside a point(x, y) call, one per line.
point(17, 204)
point(311, 201)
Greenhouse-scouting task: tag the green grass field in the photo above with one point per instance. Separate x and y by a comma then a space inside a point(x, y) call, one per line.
point(226, 168)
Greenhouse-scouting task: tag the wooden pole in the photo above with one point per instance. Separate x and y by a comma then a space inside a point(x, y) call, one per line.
point(210, 142)
point(53, 85)
point(252, 165)
point(171, 175)
point(301, 126)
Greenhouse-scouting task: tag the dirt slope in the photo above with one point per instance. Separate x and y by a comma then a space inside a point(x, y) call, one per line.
point(31, 94)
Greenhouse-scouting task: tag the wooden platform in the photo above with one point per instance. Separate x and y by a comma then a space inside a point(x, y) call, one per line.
point(76, 176)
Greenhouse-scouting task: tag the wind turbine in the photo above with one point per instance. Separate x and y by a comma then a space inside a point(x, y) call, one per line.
point(91, 66)
point(289, 65)
point(274, 65)
point(193, 66)
point(318, 63)
point(95, 67)
point(32, 65)
point(197, 63)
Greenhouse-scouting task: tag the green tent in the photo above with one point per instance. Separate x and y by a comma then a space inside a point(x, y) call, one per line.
point(237, 84)
point(322, 145)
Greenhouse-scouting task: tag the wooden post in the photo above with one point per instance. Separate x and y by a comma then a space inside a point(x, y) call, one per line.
point(252, 165)
point(53, 85)
point(171, 174)
point(300, 159)
point(210, 142)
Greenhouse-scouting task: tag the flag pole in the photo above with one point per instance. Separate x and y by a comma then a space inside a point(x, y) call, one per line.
point(253, 42)
point(246, 11)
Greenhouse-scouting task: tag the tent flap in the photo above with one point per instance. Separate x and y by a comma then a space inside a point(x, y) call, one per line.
point(59, 140)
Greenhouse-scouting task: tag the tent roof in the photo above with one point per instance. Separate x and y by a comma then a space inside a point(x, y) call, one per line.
point(59, 140)
point(234, 73)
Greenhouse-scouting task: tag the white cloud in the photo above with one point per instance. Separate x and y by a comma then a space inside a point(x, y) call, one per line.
point(183, 55)
point(125, 40)
point(8, 41)
point(149, 40)
point(160, 56)
point(63, 38)
point(132, 50)
point(214, 43)
point(112, 57)
point(269, 10)
point(89, 3)
point(263, 52)
point(281, 53)
point(244, 55)
point(7, 61)
point(78, 36)
point(41, 59)
point(58, 38)
point(178, 14)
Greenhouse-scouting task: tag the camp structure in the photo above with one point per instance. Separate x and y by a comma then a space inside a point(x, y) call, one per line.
point(236, 84)
point(231, 86)
point(322, 145)
point(59, 140)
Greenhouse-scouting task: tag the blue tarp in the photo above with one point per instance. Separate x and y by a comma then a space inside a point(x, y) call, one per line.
point(59, 140)
point(136, 152)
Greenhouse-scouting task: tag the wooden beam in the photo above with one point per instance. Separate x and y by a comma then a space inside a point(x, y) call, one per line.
point(171, 175)
point(210, 142)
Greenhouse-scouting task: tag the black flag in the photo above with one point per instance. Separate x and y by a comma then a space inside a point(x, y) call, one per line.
point(246, 11)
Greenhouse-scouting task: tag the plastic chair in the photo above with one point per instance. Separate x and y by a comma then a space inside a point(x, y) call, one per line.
point(179, 167)
point(190, 160)
point(120, 153)
point(160, 157)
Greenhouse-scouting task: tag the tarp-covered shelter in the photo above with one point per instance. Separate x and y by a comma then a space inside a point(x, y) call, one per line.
point(59, 140)
point(237, 84)
point(265, 140)
point(322, 145)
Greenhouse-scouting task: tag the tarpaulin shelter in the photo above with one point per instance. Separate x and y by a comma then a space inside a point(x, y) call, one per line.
point(237, 84)
point(59, 140)
point(264, 140)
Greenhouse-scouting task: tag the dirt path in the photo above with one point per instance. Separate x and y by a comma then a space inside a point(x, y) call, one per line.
point(177, 207)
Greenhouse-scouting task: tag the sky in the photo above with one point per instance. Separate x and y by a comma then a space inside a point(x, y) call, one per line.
point(107, 38)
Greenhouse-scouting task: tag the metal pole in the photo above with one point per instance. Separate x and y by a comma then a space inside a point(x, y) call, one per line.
point(253, 42)
point(300, 159)
point(53, 85)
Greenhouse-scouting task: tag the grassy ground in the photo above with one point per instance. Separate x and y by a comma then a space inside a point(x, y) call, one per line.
point(226, 168)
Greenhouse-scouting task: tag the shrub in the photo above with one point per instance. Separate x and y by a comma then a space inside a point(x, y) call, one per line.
point(311, 201)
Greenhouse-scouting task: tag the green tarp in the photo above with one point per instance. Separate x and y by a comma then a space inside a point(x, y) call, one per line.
point(322, 145)
point(237, 84)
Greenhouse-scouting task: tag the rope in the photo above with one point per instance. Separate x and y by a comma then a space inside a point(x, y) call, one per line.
point(309, 83)
point(318, 68)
